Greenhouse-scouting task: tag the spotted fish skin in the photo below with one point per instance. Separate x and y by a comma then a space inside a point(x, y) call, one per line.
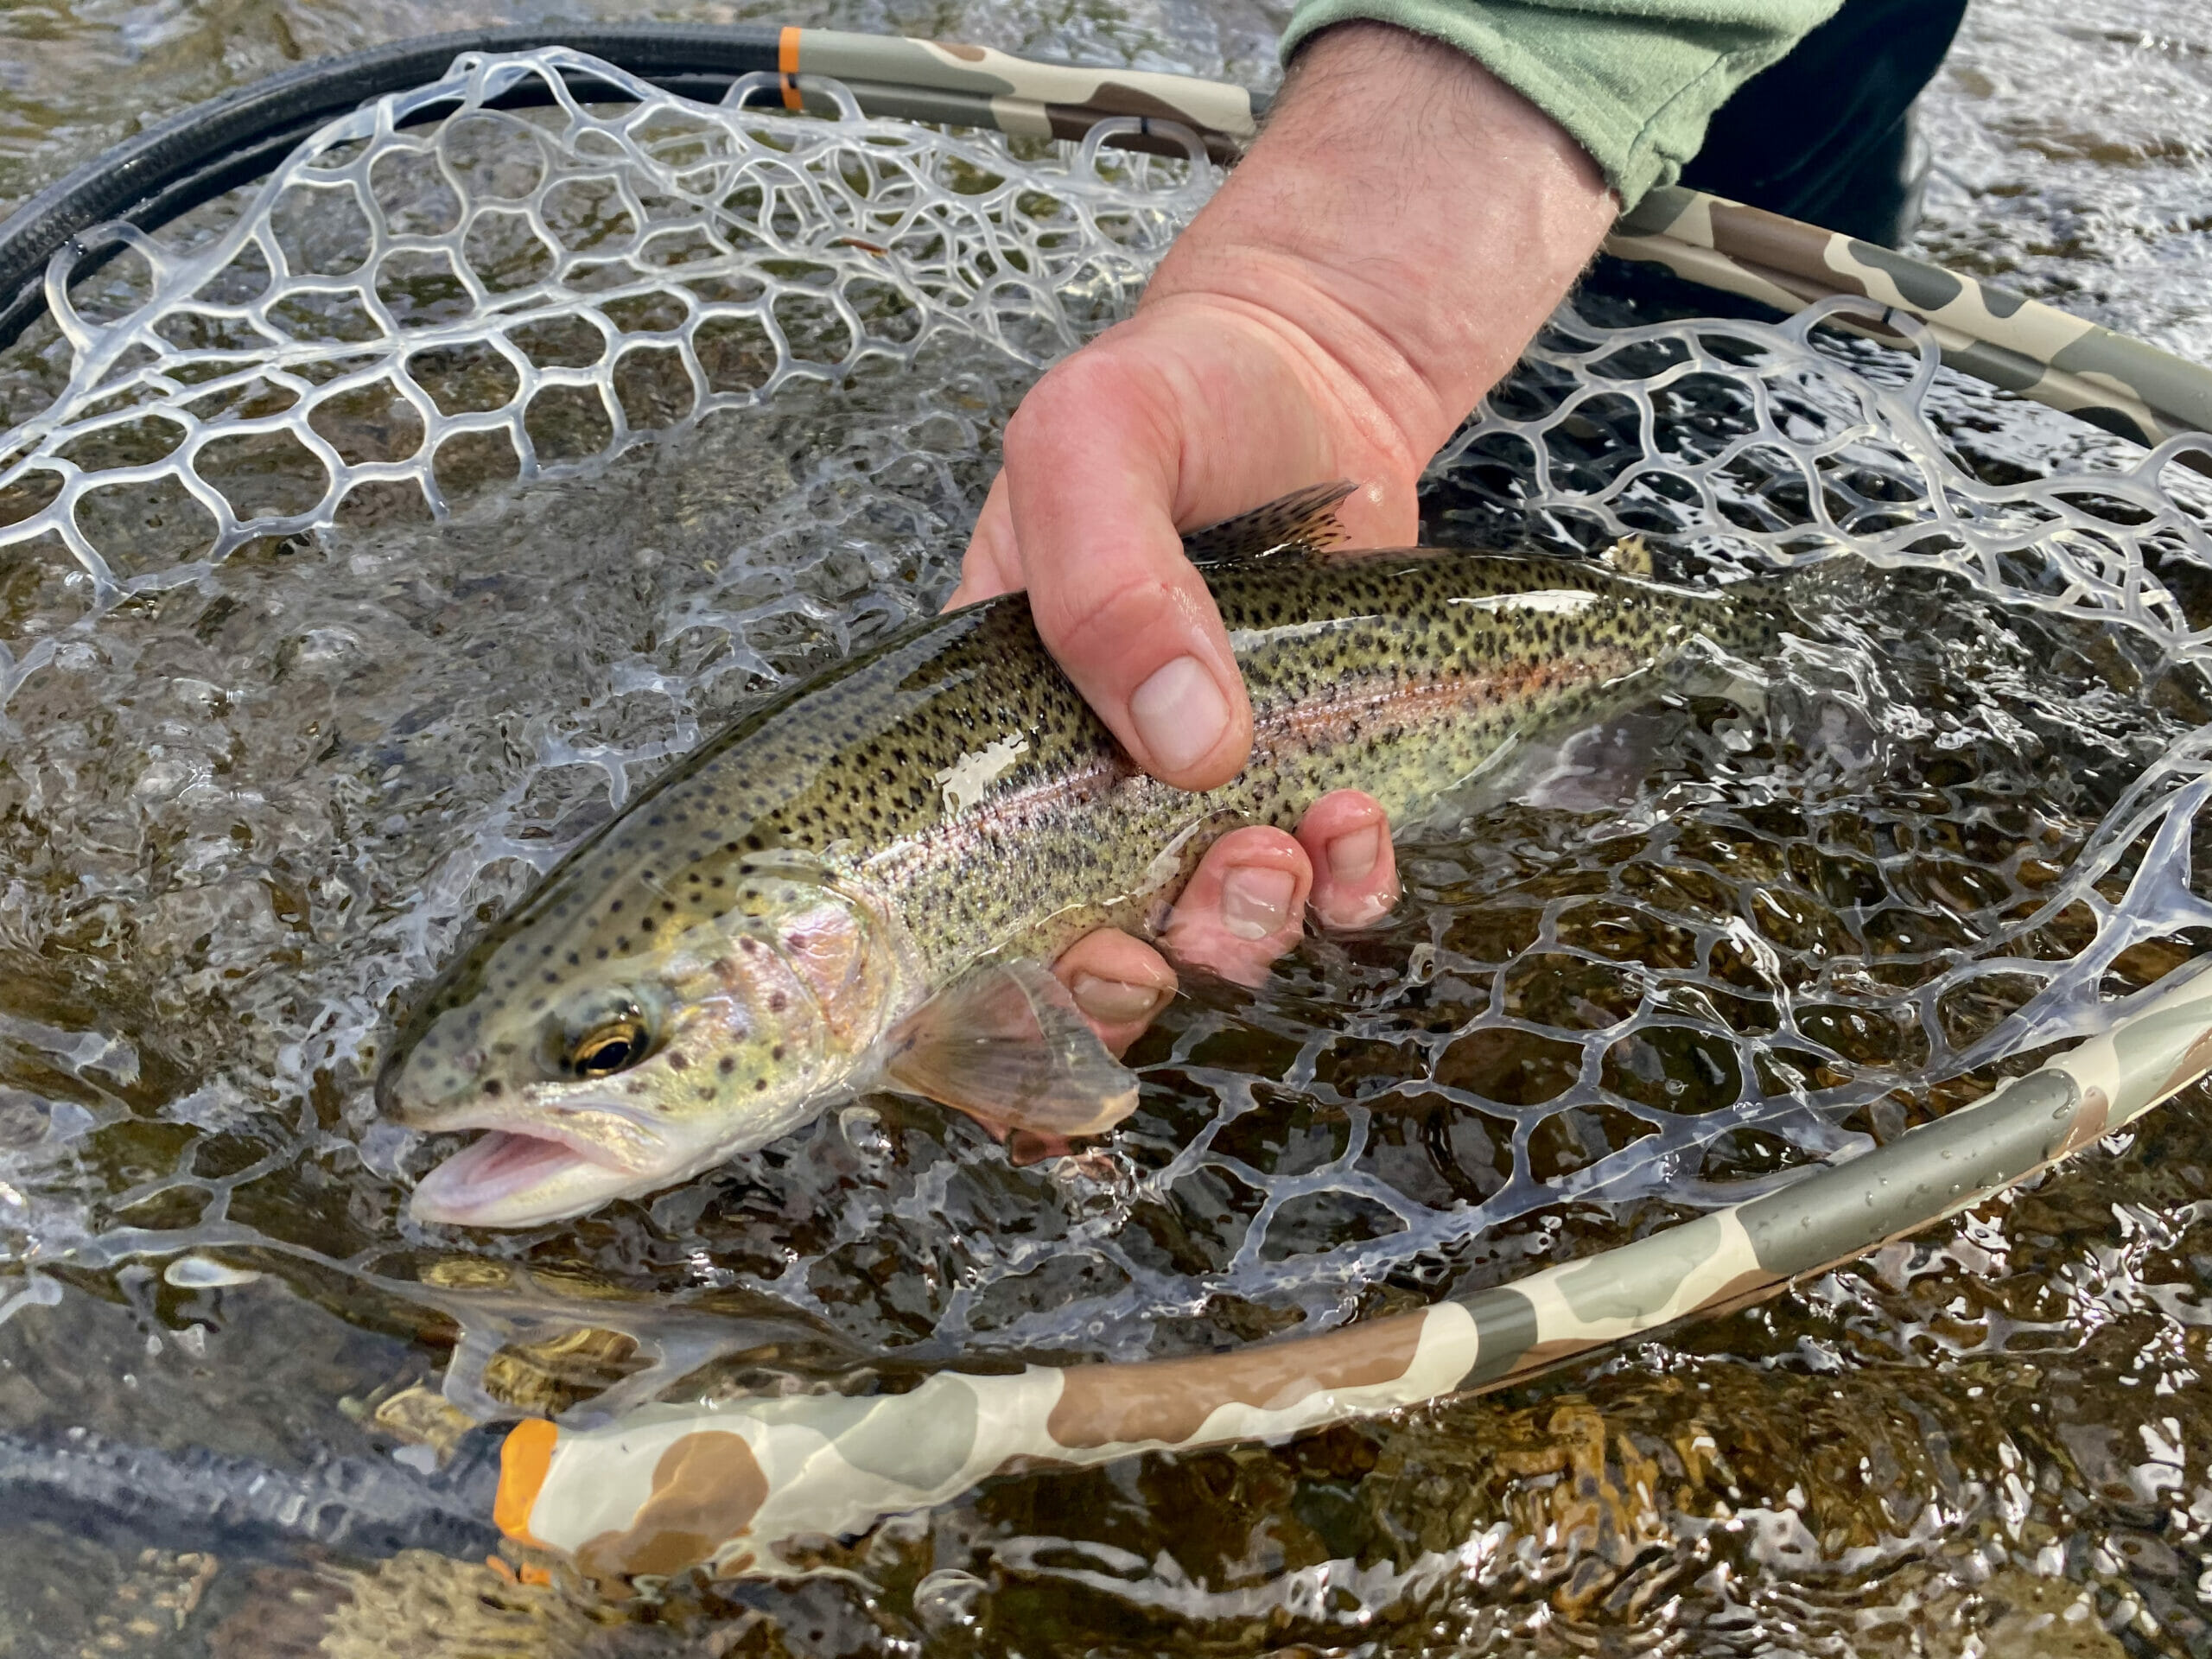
point(1401, 675)
point(946, 800)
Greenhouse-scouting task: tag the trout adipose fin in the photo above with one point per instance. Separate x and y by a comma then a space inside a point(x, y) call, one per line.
point(1631, 557)
point(1007, 1046)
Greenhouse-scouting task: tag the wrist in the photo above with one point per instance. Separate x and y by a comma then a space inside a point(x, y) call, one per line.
point(1407, 215)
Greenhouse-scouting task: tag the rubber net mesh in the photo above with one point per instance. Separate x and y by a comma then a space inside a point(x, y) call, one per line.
point(705, 396)
point(436, 289)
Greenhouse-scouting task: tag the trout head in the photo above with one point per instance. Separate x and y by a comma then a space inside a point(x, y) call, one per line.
point(598, 1073)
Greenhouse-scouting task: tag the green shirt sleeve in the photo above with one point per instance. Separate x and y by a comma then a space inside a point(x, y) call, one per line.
point(1634, 80)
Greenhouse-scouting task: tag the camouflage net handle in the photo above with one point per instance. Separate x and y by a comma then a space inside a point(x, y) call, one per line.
point(670, 1487)
point(1983, 330)
point(1990, 333)
point(976, 86)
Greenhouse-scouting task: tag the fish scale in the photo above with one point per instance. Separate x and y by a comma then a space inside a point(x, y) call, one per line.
point(945, 801)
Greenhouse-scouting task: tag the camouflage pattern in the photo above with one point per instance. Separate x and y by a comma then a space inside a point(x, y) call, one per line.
point(722, 1485)
point(1983, 330)
point(974, 85)
point(1990, 333)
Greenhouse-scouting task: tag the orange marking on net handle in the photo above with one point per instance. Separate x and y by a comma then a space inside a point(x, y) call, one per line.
point(524, 1457)
point(787, 61)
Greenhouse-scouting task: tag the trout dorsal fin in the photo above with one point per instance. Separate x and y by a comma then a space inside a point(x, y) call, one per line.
point(1305, 521)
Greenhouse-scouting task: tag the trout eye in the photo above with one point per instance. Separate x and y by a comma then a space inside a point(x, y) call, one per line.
point(610, 1046)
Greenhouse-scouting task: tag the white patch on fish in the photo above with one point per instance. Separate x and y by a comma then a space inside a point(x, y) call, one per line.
point(1277, 633)
point(1550, 602)
point(966, 779)
point(199, 1272)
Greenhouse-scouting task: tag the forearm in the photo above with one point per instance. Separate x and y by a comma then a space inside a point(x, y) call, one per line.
point(1405, 217)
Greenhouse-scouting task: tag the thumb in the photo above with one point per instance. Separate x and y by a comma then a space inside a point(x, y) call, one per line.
point(1091, 473)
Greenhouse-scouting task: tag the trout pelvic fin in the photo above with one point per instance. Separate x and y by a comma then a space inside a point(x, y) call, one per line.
point(1305, 521)
point(1007, 1046)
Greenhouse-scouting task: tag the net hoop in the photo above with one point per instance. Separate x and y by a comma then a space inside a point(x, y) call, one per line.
point(821, 1464)
point(176, 164)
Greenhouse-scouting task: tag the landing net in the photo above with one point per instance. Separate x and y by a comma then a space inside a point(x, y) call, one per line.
point(704, 397)
point(406, 309)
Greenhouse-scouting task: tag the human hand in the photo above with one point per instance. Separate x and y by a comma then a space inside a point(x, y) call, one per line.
point(1245, 906)
point(1382, 255)
point(1392, 240)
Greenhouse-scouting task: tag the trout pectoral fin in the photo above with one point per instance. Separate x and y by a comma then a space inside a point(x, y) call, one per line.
point(1007, 1046)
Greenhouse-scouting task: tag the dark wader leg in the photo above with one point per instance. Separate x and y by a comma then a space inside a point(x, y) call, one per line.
point(1827, 135)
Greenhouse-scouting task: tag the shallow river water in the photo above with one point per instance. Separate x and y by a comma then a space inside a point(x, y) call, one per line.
point(242, 809)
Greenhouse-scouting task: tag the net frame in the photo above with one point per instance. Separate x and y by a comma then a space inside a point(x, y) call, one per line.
point(2046, 544)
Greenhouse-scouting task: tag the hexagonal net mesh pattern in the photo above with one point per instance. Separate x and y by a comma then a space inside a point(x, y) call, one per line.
point(1737, 447)
point(1751, 926)
point(436, 292)
point(1742, 929)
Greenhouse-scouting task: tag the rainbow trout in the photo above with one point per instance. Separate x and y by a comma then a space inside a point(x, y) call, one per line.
point(858, 886)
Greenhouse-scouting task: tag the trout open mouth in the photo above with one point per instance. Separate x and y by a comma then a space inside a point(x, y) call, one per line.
point(509, 1177)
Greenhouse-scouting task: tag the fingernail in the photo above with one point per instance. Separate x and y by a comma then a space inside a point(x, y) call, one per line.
point(1351, 857)
point(1254, 902)
point(1179, 714)
point(1373, 907)
point(1114, 1001)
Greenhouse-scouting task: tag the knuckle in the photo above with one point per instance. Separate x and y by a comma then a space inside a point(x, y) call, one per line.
point(1096, 613)
point(1065, 400)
